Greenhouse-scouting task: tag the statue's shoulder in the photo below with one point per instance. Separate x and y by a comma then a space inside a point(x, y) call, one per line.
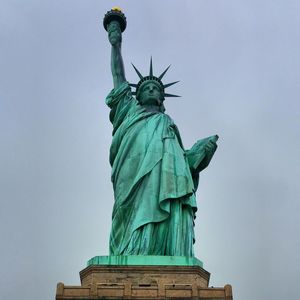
point(122, 92)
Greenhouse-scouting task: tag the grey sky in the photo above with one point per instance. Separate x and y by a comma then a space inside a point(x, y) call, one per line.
point(238, 62)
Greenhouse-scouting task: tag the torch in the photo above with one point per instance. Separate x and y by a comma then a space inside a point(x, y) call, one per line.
point(115, 14)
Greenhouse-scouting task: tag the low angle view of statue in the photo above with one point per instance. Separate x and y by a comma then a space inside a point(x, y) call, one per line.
point(155, 180)
point(154, 177)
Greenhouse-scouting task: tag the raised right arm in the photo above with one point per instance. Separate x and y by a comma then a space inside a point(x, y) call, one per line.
point(117, 66)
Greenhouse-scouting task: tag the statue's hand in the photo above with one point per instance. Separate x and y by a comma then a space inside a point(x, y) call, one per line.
point(114, 33)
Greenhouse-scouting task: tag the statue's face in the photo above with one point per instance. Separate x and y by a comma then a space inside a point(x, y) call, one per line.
point(150, 94)
point(114, 32)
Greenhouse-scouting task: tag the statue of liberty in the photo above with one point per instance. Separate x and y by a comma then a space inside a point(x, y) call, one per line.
point(154, 178)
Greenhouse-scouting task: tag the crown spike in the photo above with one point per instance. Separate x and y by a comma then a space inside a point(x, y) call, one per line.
point(169, 84)
point(137, 71)
point(170, 95)
point(164, 72)
point(151, 67)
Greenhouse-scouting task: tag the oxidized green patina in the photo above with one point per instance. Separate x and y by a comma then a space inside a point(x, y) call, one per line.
point(154, 177)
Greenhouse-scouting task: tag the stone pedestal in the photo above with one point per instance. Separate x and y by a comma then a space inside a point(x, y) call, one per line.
point(108, 281)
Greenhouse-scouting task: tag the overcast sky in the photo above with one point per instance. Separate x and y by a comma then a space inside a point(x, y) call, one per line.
point(238, 63)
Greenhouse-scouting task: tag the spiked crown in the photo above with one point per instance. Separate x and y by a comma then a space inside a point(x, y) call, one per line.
point(151, 77)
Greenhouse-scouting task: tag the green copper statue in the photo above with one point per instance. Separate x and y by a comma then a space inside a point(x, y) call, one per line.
point(154, 178)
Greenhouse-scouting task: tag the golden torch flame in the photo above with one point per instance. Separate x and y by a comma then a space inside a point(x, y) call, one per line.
point(117, 8)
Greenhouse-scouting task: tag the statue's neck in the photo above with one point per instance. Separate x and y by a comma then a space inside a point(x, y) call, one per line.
point(151, 108)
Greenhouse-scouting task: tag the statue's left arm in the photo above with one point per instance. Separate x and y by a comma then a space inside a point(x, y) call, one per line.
point(200, 155)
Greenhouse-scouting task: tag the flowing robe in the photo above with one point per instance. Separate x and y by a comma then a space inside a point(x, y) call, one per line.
point(154, 191)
